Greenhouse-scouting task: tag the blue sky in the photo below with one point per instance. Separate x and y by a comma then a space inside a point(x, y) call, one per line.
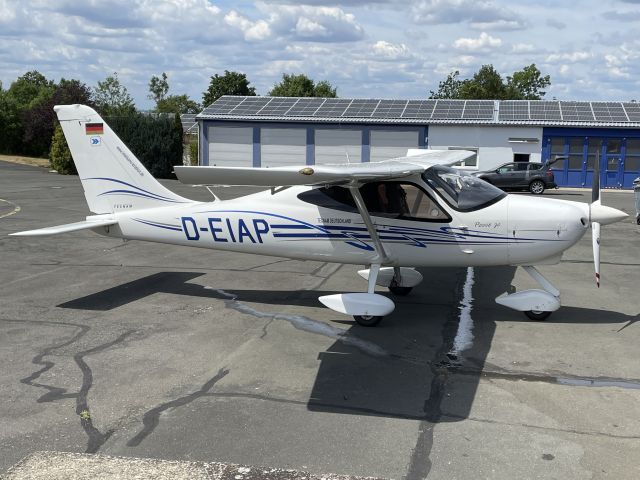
point(372, 49)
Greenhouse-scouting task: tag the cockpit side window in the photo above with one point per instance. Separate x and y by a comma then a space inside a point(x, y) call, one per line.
point(401, 200)
point(383, 199)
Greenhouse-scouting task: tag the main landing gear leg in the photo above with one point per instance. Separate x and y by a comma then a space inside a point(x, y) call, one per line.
point(370, 320)
point(366, 308)
point(536, 304)
point(396, 287)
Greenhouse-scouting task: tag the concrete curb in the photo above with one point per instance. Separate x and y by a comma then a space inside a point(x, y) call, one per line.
point(82, 466)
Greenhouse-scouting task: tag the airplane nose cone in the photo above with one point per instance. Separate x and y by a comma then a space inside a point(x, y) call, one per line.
point(605, 215)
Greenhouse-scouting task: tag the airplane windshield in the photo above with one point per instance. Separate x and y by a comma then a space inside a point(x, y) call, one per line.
point(461, 190)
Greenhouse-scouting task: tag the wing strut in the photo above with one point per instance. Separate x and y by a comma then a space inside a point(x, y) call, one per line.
point(382, 256)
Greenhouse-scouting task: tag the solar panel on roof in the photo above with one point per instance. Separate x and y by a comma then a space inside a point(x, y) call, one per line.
point(549, 111)
point(609, 112)
point(389, 109)
point(249, 106)
point(332, 107)
point(576, 112)
point(305, 107)
point(478, 110)
point(448, 110)
point(419, 109)
point(633, 111)
point(223, 105)
point(361, 108)
point(513, 110)
point(277, 106)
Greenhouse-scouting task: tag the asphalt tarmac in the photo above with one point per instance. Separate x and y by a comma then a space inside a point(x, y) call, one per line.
point(135, 349)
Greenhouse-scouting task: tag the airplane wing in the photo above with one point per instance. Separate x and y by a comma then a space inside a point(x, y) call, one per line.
point(91, 222)
point(417, 161)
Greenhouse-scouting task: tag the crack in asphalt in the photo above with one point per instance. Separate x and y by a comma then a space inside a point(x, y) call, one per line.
point(151, 419)
point(420, 463)
point(95, 438)
point(540, 427)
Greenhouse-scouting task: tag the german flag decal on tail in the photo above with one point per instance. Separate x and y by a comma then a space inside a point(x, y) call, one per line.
point(94, 129)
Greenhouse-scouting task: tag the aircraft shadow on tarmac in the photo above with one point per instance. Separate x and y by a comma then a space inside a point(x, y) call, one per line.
point(414, 356)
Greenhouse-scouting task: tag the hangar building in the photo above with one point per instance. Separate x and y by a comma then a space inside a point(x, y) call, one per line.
point(277, 131)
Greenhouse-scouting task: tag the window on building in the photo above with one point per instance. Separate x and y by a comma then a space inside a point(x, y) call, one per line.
point(557, 146)
point(575, 153)
point(469, 162)
point(614, 146)
point(593, 152)
point(632, 159)
point(521, 157)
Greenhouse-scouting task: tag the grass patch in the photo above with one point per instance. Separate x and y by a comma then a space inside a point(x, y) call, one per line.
point(33, 161)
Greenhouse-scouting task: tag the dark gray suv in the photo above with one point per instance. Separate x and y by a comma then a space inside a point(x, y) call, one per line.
point(535, 177)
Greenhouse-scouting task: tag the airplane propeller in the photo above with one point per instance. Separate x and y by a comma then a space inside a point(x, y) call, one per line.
point(599, 215)
point(595, 225)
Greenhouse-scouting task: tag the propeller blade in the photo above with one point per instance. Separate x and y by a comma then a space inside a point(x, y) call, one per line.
point(595, 186)
point(595, 238)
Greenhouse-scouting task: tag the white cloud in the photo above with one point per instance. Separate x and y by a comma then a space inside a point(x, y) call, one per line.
point(522, 48)
point(311, 23)
point(481, 14)
point(253, 31)
point(572, 57)
point(390, 51)
point(484, 42)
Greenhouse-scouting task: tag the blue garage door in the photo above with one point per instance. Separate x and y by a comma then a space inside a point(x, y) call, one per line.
point(619, 159)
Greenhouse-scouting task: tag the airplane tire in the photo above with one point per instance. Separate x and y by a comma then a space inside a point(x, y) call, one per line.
point(367, 320)
point(400, 291)
point(537, 316)
point(536, 187)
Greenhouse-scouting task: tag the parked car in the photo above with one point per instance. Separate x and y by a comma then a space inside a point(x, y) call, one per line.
point(535, 177)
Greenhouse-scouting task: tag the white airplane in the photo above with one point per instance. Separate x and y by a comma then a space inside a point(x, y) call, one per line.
point(391, 216)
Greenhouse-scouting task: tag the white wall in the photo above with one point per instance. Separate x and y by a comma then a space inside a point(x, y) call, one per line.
point(493, 144)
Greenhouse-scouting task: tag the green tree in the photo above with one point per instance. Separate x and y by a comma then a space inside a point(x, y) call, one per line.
point(324, 89)
point(60, 155)
point(158, 88)
point(486, 84)
point(528, 83)
point(449, 87)
point(40, 120)
point(302, 86)
point(28, 93)
point(31, 89)
point(112, 98)
point(231, 83)
point(154, 140)
point(10, 124)
point(177, 104)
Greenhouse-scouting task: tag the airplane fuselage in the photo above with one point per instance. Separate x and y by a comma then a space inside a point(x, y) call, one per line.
point(516, 230)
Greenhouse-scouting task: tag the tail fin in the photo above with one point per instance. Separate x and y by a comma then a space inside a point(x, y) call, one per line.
point(112, 177)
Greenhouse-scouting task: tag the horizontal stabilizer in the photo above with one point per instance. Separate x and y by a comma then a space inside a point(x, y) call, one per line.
point(338, 174)
point(90, 222)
